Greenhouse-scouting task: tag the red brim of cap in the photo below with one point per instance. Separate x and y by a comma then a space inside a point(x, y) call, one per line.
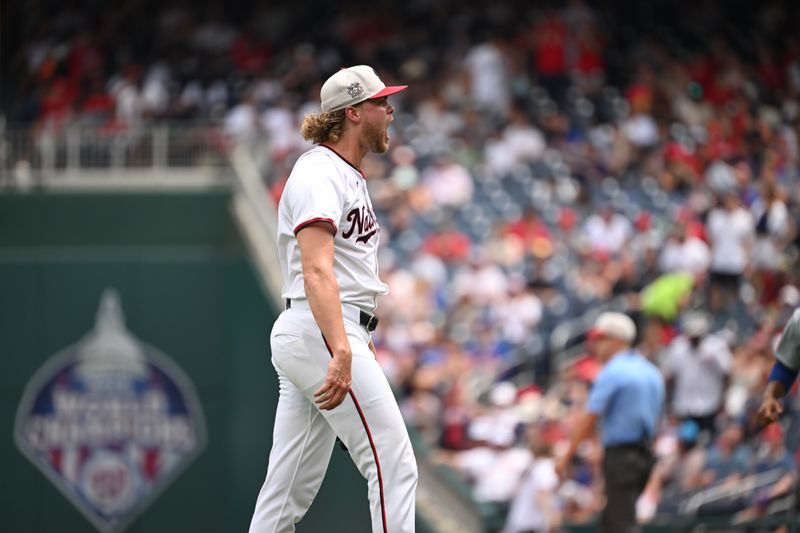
point(386, 91)
point(594, 334)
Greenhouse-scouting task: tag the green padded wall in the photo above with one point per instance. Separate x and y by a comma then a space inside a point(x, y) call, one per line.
point(188, 289)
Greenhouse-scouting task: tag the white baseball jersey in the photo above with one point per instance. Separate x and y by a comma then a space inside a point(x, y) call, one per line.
point(788, 351)
point(323, 186)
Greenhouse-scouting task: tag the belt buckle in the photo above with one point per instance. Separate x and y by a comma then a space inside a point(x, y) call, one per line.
point(372, 323)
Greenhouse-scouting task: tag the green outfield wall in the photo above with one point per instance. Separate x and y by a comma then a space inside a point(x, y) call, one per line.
point(187, 288)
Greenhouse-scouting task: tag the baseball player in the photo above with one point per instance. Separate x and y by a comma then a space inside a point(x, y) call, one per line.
point(784, 371)
point(330, 382)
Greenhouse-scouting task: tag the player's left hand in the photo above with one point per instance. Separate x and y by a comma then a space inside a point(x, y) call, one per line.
point(769, 411)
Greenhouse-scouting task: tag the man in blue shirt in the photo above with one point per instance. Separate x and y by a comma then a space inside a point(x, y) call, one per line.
point(628, 396)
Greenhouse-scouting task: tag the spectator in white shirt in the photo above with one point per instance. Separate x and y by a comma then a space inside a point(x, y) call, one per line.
point(607, 231)
point(482, 281)
point(448, 183)
point(534, 508)
point(520, 142)
point(128, 97)
point(731, 232)
point(241, 123)
point(519, 312)
point(697, 365)
point(487, 68)
point(281, 126)
point(683, 252)
point(774, 230)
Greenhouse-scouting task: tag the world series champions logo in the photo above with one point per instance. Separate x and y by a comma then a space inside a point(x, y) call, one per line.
point(110, 421)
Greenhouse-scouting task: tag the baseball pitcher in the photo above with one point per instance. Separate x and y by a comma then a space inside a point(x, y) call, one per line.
point(330, 382)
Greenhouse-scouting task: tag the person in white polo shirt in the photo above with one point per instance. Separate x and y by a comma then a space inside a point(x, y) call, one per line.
point(330, 382)
point(731, 233)
point(697, 365)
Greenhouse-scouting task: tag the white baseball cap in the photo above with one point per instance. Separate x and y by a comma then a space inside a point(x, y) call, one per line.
point(695, 323)
point(353, 85)
point(611, 324)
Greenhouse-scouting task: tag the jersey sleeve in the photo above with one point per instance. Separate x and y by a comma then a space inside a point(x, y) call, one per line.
point(788, 350)
point(316, 194)
point(605, 385)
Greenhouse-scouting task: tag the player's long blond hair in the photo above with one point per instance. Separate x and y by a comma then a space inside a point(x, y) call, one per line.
point(324, 127)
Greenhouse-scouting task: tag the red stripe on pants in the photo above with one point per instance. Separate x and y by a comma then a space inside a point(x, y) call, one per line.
point(371, 444)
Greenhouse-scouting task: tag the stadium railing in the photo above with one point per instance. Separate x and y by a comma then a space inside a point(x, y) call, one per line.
point(32, 155)
point(717, 493)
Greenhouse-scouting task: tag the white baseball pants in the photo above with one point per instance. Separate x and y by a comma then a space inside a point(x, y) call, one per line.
point(368, 422)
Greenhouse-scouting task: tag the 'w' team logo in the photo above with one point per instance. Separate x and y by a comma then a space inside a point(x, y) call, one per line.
point(110, 421)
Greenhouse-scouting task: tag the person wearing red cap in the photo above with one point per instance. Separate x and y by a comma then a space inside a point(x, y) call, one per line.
point(331, 385)
point(628, 396)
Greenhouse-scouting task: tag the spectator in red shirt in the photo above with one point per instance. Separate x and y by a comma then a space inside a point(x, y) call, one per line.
point(250, 52)
point(449, 244)
point(57, 102)
point(548, 38)
point(533, 232)
point(97, 107)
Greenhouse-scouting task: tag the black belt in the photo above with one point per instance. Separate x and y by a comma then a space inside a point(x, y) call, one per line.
point(644, 444)
point(370, 322)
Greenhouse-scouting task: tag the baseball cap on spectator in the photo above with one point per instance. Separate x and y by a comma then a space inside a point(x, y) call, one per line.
point(695, 324)
point(612, 324)
point(353, 85)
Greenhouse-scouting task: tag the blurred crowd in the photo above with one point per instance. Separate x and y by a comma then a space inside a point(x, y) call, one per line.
point(548, 161)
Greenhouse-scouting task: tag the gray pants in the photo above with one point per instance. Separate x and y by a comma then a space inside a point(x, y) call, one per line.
point(626, 470)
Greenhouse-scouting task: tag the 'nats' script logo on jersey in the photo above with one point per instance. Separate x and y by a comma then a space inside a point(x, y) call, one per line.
point(110, 421)
point(361, 219)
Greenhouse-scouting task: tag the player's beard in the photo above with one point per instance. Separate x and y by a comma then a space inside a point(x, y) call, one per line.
point(376, 137)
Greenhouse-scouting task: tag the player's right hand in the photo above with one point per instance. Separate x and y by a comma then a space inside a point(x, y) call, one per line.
point(769, 411)
point(337, 383)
